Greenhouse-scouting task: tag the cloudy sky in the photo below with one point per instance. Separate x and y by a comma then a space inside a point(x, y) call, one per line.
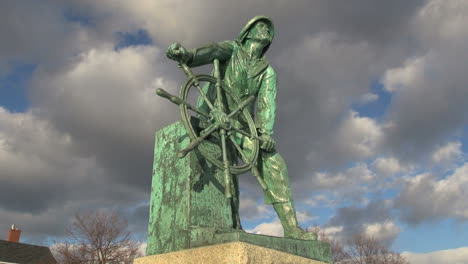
point(372, 114)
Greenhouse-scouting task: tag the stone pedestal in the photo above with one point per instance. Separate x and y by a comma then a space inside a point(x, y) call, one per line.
point(317, 251)
point(187, 195)
point(191, 221)
point(230, 253)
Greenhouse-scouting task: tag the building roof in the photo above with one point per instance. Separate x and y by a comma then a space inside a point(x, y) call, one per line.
point(13, 252)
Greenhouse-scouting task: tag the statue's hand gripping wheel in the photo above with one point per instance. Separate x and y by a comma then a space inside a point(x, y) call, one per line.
point(220, 122)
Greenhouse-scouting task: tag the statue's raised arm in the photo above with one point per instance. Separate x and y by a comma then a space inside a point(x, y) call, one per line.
point(202, 55)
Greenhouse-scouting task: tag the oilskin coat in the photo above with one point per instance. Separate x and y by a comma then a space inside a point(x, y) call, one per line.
point(246, 77)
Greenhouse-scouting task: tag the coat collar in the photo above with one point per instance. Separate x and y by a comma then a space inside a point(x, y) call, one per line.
point(258, 67)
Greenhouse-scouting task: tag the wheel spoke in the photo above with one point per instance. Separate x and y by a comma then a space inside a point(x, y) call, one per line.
point(234, 97)
point(205, 98)
point(260, 180)
point(242, 106)
point(207, 131)
point(193, 144)
point(219, 95)
point(227, 174)
point(241, 153)
point(228, 92)
point(246, 134)
point(254, 169)
point(190, 75)
point(241, 131)
point(178, 101)
point(198, 111)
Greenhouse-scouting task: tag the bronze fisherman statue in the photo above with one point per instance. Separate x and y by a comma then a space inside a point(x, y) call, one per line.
point(245, 70)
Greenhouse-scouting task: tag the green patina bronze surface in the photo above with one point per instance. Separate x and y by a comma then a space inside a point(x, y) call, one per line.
point(227, 132)
point(188, 207)
point(186, 194)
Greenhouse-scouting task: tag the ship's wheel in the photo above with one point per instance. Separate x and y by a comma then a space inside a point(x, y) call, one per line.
point(218, 122)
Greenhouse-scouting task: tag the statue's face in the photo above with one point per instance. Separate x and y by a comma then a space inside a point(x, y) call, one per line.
point(260, 32)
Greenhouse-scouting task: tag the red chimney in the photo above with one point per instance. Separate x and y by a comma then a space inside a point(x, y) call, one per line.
point(14, 234)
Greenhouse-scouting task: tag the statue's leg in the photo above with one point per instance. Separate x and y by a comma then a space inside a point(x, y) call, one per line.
point(274, 172)
point(235, 203)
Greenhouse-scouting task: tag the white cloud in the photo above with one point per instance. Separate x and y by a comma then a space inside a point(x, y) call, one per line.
point(425, 197)
point(274, 228)
point(355, 139)
point(304, 216)
point(271, 229)
point(358, 136)
point(452, 256)
point(405, 77)
point(388, 166)
point(383, 231)
point(347, 186)
point(320, 200)
point(142, 248)
point(448, 153)
point(351, 177)
point(331, 232)
point(250, 209)
point(368, 98)
point(442, 21)
point(105, 87)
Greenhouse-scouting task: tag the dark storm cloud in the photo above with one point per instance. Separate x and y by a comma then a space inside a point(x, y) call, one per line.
point(37, 32)
point(429, 197)
point(313, 69)
point(430, 89)
point(194, 23)
point(43, 181)
point(373, 219)
point(110, 112)
point(137, 219)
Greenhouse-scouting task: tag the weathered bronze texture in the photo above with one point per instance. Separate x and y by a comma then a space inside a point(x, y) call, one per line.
point(228, 132)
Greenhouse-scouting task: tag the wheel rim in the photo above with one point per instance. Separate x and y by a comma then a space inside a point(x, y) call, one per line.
point(186, 117)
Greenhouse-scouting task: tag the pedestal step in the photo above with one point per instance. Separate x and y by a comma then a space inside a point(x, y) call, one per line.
point(230, 253)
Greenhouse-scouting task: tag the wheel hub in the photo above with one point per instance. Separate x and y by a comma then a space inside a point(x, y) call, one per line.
point(222, 119)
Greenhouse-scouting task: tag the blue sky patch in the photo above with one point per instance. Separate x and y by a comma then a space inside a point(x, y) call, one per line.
point(463, 140)
point(126, 39)
point(377, 108)
point(71, 15)
point(13, 88)
point(433, 236)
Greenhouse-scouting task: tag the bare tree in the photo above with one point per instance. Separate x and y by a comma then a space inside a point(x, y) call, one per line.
point(361, 249)
point(98, 238)
point(367, 250)
point(338, 252)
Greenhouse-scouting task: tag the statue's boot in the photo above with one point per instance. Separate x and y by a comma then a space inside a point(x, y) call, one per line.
point(287, 216)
